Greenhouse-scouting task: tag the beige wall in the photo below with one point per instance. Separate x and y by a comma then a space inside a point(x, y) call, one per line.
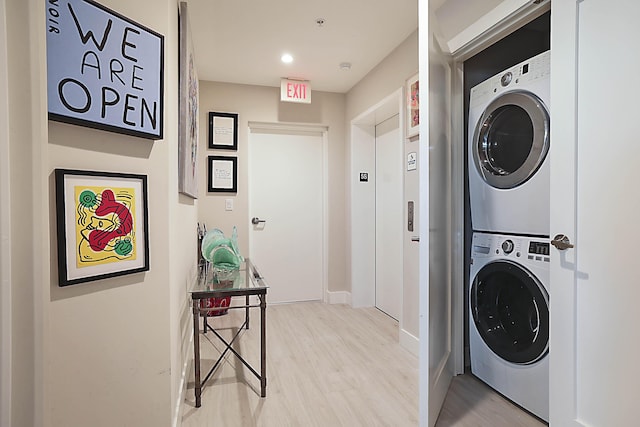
point(389, 75)
point(108, 352)
point(262, 104)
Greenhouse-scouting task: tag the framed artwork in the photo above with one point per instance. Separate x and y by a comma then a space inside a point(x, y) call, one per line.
point(223, 131)
point(102, 223)
point(86, 39)
point(413, 106)
point(188, 123)
point(223, 174)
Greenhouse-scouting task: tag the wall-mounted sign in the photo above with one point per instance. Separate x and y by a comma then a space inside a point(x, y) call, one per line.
point(364, 177)
point(295, 91)
point(412, 161)
point(103, 70)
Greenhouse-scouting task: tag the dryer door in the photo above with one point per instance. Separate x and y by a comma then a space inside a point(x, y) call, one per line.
point(511, 139)
point(510, 309)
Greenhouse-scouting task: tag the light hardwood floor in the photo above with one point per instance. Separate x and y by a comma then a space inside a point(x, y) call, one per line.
point(330, 365)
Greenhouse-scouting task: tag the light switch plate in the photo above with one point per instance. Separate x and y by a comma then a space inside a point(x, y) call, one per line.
point(228, 204)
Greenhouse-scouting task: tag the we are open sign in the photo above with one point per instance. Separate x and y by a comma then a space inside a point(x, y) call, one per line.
point(103, 70)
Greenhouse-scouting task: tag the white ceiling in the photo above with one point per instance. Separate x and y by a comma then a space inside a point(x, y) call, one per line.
point(241, 41)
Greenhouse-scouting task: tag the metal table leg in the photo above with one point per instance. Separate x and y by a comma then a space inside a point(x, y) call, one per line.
point(196, 351)
point(263, 345)
point(246, 314)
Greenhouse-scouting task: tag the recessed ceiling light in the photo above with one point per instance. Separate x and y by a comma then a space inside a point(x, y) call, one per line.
point(286, 58)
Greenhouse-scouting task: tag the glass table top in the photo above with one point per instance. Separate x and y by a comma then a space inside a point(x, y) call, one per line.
point(214, 281)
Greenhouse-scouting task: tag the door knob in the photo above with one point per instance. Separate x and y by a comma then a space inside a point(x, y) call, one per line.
point(255, 220)
point(561, 242)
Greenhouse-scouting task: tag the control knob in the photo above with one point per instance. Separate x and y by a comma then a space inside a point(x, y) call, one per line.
point(507, 246)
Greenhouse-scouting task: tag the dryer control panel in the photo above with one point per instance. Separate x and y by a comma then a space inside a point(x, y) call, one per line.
point(510, 246)
point(524, 73)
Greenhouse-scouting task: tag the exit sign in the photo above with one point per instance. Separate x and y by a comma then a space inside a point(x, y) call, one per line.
point(295, 91)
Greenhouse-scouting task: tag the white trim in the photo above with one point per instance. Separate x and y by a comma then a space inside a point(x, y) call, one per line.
point(338, 297)
point(325, 215)
point(494, 25)
point(457, 220)
point(287, 127)
point(303, 129)
point(186, 368)
point(363, 293)
point(409, 342)
point(5, 230)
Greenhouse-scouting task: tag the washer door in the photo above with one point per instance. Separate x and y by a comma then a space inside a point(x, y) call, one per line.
point(511, 139)
point(510, 309)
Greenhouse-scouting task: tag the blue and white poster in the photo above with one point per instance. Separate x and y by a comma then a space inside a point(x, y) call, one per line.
point(103, 70)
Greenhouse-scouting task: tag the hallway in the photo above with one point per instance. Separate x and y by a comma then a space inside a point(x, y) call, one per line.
point(331, 365)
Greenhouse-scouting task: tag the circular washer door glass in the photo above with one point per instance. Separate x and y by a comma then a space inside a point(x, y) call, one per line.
point(511, 139)
point(510, 309)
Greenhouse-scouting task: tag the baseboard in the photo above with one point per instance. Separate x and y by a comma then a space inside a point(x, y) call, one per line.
point(186, 368)
point(409, 342)
point(339, 297)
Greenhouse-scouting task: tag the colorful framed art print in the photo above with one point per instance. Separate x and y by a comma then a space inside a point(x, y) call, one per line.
point(102, 224)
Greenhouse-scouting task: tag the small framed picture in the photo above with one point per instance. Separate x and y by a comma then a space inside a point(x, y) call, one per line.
point(413, 106)
point(223, 131)
point(223, 174)
point(102, 224)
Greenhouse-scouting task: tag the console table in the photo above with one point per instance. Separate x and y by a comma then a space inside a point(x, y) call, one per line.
point(211, 283)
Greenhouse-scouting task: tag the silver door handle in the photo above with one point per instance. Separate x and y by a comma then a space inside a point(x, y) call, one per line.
point(561, 242)
point(415, 238)
point(255, 220)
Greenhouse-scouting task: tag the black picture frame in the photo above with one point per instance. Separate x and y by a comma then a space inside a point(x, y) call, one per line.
point(102, 225)
point(223, 131)
point(222, 176)
point(83, 95)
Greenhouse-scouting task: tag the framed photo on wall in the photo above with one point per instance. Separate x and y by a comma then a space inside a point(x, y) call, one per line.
point(102, 224)
point(223, 174)
point(413, 106)
point(223, 131)
point(188, 123)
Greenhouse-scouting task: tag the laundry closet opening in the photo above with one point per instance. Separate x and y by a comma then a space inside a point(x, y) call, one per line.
point(524, 43)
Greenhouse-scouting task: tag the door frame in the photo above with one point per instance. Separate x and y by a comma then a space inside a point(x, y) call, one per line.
point(5, 230)
point(361, 223)
point(488, 29)
point(253, 127)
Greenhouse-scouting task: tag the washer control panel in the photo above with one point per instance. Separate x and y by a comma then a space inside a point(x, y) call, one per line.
point(519, 247)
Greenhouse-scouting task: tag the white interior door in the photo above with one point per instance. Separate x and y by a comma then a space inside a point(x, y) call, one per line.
point(286, 192)
point(594, 296)
point(389, 217)
point(434, 159)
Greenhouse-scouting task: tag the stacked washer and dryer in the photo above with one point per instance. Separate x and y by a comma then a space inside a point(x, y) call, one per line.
point(509, 197)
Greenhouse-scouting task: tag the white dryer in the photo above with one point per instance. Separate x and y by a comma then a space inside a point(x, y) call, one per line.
point(508, 146)
point(509, 318)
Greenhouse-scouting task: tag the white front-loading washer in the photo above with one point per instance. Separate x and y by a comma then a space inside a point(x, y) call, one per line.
point(509, 317)
point(508, 147)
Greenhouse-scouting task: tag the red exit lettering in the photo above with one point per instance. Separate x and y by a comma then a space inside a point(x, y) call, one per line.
point(296, 90)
